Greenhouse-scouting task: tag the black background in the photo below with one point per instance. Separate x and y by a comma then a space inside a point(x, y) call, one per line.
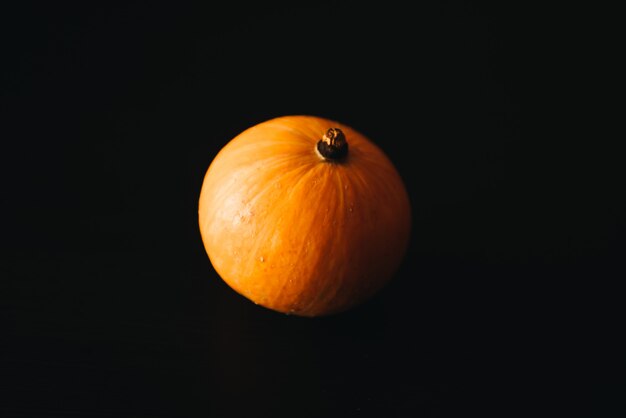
point(507, 302)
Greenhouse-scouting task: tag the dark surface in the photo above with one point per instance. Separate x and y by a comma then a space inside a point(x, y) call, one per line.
point(506, 305)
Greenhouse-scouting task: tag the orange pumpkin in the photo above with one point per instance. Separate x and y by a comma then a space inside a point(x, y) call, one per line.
point(304, 215)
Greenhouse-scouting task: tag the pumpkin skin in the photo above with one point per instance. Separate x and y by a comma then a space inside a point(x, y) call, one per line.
point(299, 233)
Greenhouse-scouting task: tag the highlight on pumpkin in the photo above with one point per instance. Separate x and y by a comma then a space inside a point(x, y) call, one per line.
point(291, 227)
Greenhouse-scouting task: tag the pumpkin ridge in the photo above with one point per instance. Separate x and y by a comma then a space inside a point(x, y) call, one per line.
point(332, 288)
point(318, 208)
point(302, 173)
point(306, 228)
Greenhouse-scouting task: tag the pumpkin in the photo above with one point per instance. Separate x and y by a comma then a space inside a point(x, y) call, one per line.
point(304, 215)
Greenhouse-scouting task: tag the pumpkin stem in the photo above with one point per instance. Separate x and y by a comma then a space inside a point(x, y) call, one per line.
point(333, 145)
